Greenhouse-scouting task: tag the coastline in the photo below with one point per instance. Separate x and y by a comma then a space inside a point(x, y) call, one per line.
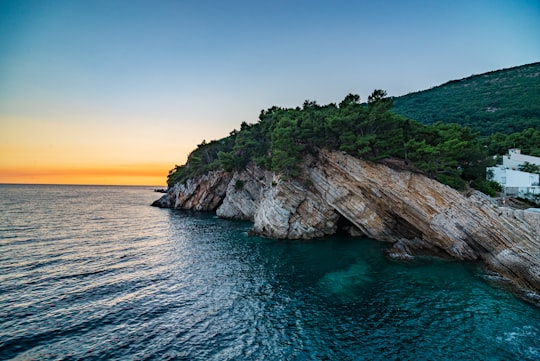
point(417, 215)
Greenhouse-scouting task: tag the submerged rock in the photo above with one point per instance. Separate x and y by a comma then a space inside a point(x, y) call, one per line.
point(347, 282)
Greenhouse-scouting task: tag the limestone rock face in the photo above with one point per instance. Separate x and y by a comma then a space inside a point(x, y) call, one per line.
point(166, 200)
point(244, 193)
point(289, 210)
point(418, 215)
point(203, 193)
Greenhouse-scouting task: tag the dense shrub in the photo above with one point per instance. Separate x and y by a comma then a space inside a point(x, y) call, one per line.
point(451, 153)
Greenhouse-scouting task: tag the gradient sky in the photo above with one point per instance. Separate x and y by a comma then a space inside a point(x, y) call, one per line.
point(118, 92)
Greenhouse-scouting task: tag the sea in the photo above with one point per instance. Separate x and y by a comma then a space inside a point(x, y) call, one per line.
point(96, 273)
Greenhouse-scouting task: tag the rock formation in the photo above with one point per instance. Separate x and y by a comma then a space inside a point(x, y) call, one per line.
point(418, 215)
point(204, 193)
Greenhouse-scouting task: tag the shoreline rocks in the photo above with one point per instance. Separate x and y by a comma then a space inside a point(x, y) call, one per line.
point(417, 215)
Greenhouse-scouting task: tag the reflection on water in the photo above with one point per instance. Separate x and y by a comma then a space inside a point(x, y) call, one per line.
point(95, 273)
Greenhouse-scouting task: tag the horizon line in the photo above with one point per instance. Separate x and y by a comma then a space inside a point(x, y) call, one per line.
point(83, 184)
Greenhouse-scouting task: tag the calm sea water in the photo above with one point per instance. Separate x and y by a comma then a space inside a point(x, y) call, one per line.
point(95, 273)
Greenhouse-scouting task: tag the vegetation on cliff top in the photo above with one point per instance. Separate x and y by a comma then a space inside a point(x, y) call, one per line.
point(457, 127)
point(504, 101)
point(450, 153)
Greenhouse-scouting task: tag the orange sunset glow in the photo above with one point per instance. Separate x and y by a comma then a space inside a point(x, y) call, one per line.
point(140, 174)
point(101, 92)
point(44, 151)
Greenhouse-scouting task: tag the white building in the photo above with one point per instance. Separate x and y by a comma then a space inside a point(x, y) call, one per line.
point(514, 181)
point(514, 159)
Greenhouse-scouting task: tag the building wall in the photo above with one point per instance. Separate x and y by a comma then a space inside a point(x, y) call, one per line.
point(515, 181)
point(514, 159)
point(514, 178)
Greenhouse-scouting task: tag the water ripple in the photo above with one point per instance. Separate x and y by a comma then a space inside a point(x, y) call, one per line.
point(94, 273)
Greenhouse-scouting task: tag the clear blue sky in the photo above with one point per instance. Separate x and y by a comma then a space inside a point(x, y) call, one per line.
point(178, 72)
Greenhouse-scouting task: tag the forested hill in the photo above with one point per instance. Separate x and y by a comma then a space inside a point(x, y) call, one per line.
point(504, 101)
point(454, 154)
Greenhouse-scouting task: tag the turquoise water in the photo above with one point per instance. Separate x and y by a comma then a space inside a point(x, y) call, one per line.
point(94, 273)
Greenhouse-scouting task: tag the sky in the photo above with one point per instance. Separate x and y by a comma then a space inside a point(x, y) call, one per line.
point(119, 92)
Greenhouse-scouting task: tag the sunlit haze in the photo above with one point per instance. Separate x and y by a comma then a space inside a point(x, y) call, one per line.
point(119, 92)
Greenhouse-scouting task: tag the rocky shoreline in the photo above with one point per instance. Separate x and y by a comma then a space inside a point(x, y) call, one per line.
point(337, 192)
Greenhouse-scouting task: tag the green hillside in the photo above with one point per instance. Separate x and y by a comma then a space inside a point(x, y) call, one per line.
point(503, 106)
point(504, 101)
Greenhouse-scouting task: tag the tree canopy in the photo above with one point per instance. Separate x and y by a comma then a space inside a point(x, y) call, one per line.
point(504, 101)
point(279, 140)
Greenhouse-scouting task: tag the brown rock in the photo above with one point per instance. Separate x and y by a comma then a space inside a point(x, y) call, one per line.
point(418, 215)
point(203, 193)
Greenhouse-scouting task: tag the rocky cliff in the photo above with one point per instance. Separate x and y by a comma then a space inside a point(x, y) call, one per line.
point(417, 215)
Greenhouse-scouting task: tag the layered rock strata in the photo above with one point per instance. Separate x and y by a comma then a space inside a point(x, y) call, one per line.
point(203, 193)
point(418, 215)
